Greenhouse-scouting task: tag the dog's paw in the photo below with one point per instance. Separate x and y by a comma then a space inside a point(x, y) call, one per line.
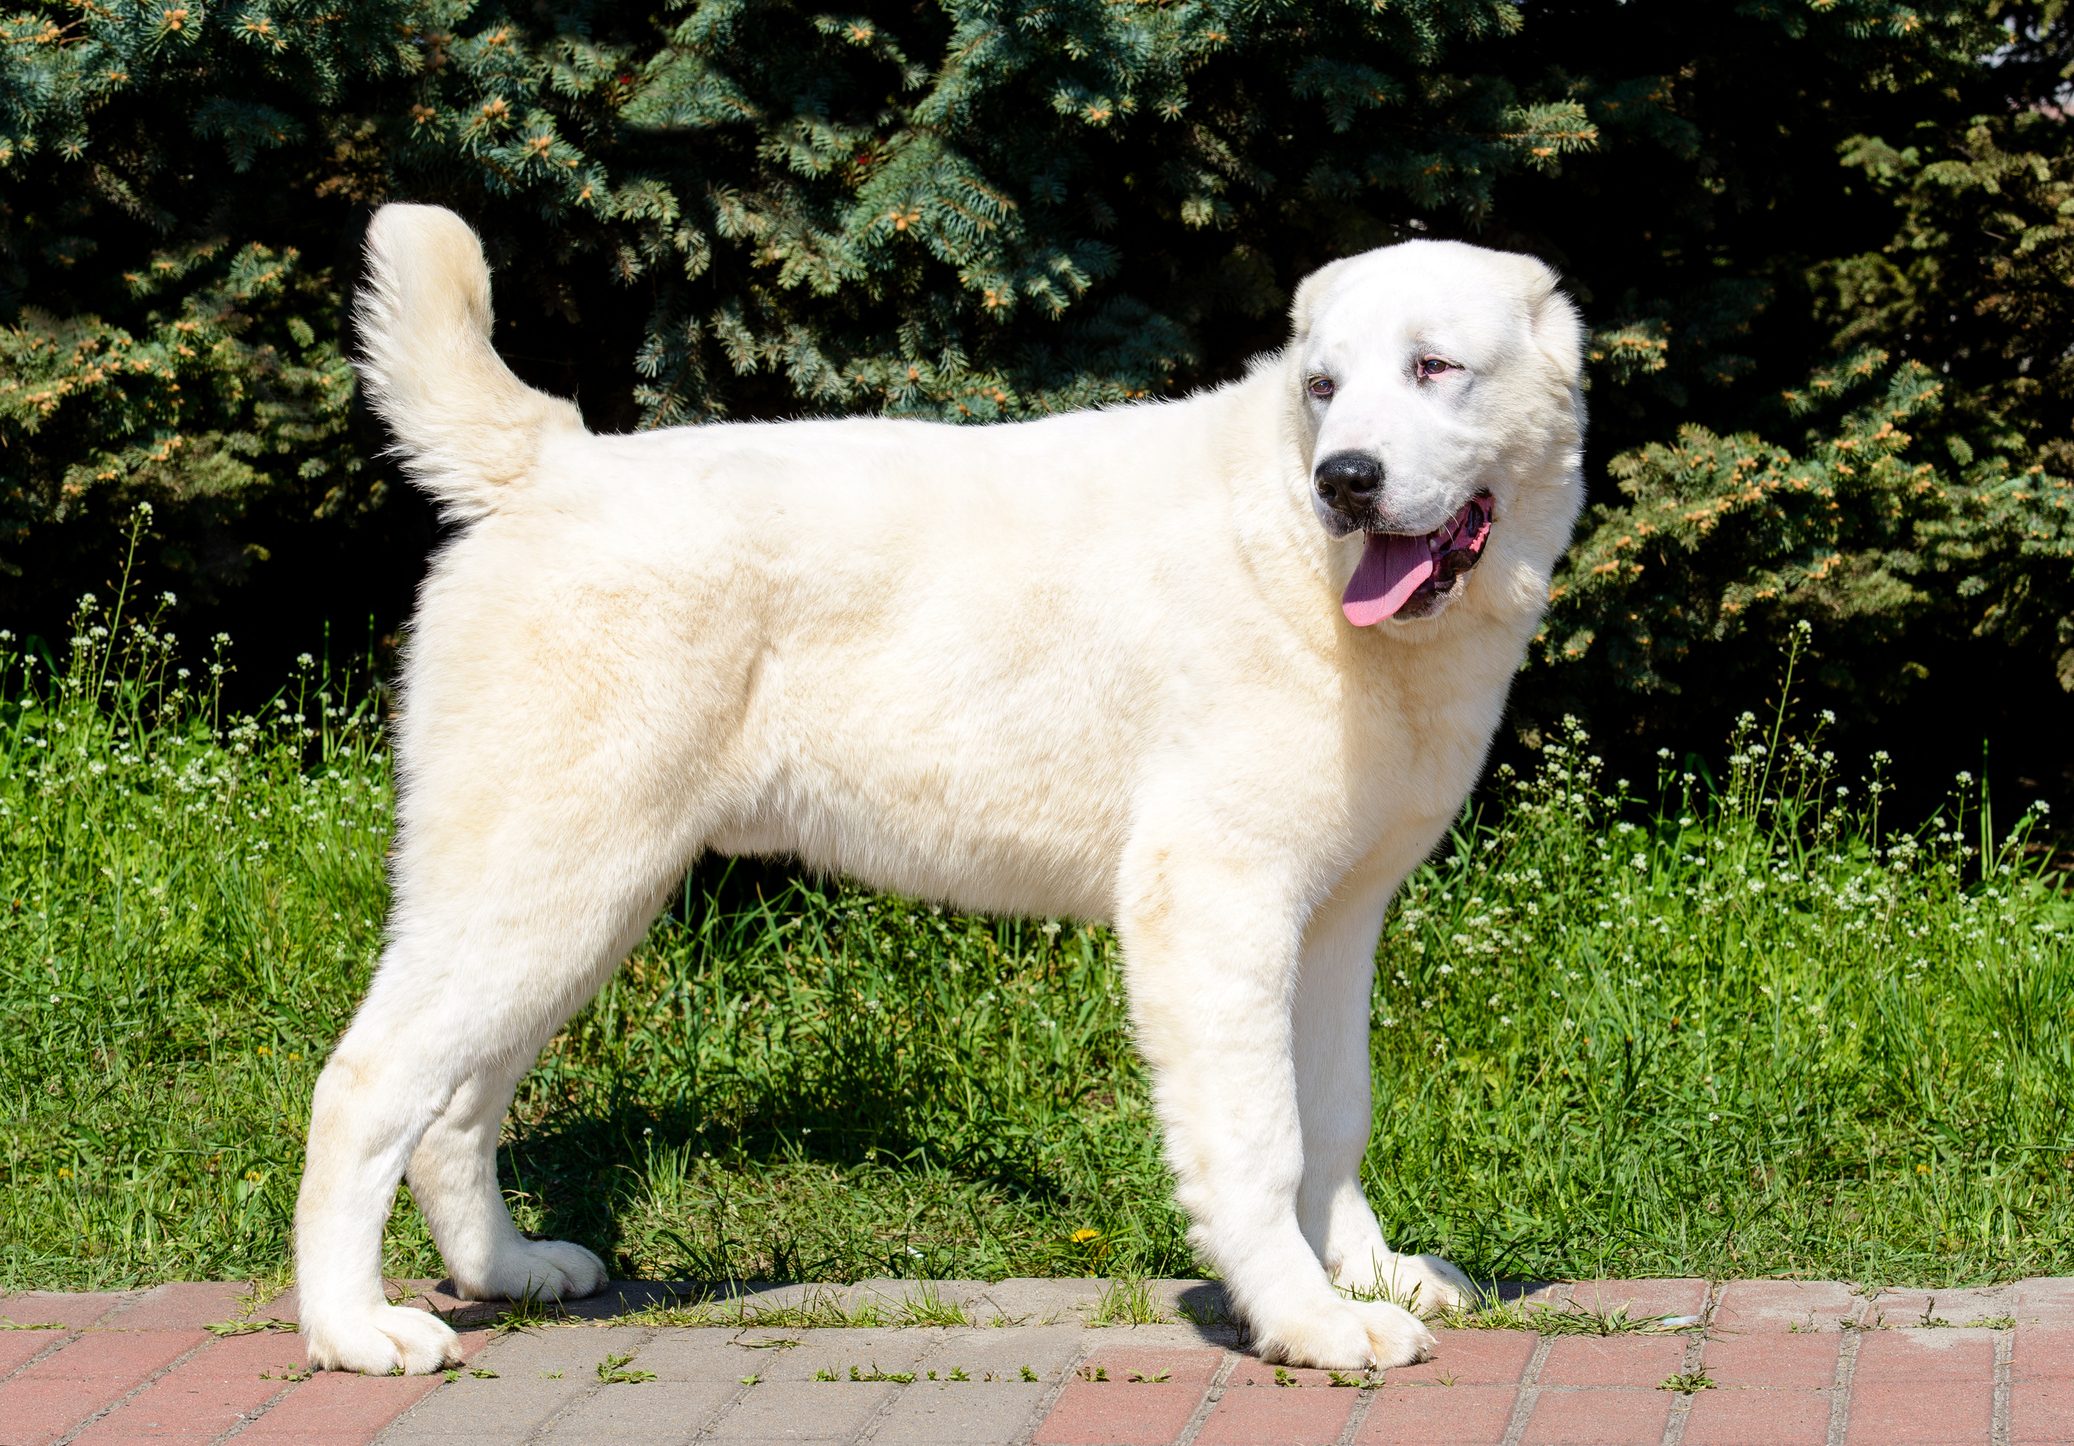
point(542, 1269)
point(380, 1342)
point(1348, 1336)
point(1423, 1284)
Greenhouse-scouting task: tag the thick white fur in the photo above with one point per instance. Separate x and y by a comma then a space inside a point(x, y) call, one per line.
point(1091, 666)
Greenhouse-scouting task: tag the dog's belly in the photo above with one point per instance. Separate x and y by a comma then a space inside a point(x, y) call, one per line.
point(1002, 843)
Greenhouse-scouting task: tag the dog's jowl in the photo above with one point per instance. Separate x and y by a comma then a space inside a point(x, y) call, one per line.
point(1217, 672)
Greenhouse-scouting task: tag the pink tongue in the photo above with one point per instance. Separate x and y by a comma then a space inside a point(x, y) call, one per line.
point(1390, 571)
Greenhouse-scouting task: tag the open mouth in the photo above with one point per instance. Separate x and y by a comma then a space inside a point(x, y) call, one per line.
point(1407, 574)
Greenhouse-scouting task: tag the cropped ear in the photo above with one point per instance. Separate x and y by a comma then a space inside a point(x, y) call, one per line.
point(1310, 295)
point(1558, 329)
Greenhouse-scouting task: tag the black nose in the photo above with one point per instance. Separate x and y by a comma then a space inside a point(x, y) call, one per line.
point(1349, 480)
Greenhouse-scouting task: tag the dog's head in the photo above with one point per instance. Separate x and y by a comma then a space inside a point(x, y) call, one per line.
point(1439, 397)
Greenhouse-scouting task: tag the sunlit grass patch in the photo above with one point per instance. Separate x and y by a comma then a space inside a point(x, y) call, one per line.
point(1621, 1028)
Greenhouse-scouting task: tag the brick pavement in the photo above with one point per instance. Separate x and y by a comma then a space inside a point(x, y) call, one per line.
point(1761, 1361)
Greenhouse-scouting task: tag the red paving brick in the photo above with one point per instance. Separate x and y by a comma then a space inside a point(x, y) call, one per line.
point(1181, 1367)
point(2040, 1412)
point(182, 1306)
point(1278, 1416)
point(19, 1347)
point(2041, 1353)
point(1612, 1360)
point(1252, 1371)
point(1733, 1417)
point(1939, 1412)
point(1924, 1355)
point(40, 1307)
point(1470, 1358)
point(32, 1412)
point(207, 1394)
point(124, 1356)
point(1437, 1416)
point(1806, 1361)
point(336, 1407)
point(1107, 1414)
point(1599, 1418)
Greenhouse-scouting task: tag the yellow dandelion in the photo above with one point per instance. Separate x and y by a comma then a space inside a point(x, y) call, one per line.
point(1085, 1234)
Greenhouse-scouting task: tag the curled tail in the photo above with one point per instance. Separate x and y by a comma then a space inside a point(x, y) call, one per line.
point(468, 430)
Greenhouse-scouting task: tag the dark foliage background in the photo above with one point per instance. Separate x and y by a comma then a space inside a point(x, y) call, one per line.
point(1827, 247)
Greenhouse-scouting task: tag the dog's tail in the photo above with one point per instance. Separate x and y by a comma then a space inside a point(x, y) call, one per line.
point(467, 429)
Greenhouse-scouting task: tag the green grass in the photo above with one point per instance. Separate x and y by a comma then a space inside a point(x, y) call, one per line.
point(1622, 1029)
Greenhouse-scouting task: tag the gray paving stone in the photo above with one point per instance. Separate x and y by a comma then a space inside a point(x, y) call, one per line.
point(2045, 1301)
point(801, 1411)
point(504, 1409)
point(1179, 1336)
point(937, 1415)
point(1195, 1302)
point(894, 1299)
point(654, 1411)
point(1037, 1301)
point(1528, 1292)
point(621, 1297)
point(711, 1356)
point(1049, 1352)
point(1903, 1308)
point(786, 1355)
point(572, 1349)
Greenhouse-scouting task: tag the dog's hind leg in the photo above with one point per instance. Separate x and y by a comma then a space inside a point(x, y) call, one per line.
point(453, 1179)
point(1333, 1005)
point(485, 961)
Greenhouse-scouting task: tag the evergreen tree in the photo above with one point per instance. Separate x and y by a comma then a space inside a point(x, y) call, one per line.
point(979, 210)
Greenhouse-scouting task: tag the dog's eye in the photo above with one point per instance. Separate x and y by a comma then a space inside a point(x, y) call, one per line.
point(1433, 366)
point(1320, 387)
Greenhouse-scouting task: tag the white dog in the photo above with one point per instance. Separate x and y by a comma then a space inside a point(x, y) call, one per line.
point(1217, 671)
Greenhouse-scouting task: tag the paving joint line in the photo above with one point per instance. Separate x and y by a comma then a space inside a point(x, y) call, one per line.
point(1212, 1394)
point(247, 1421)
point(1364, 1402)
point(547, 1423)
point(727, 1409)
point(59, 1340)
point(1529, 1391)
point(1695, 1360)
point(2005, 1350)
point(867, 1429)
point(1852, 1326)
point(111, 1407)
point(1047, 1402)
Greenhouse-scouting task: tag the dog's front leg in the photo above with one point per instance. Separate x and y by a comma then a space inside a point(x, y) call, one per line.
point(1211, 957)
point(1333, 1005)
